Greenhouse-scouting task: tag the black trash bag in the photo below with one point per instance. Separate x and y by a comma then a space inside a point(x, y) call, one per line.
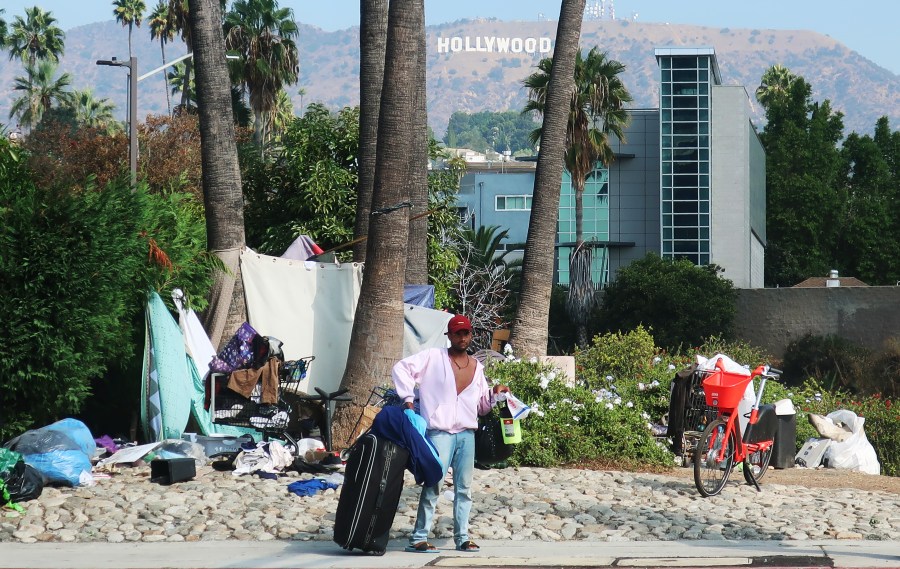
point(489, 446)
point(22, 481)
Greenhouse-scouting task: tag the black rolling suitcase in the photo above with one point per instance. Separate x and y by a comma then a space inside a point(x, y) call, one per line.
point(373, 481)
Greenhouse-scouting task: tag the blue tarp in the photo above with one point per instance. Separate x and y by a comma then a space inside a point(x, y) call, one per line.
point(419, 295)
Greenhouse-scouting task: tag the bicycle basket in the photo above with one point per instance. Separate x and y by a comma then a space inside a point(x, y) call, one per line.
point(725, 390)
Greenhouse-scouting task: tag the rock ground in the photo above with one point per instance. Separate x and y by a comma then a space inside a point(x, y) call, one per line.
point(511, 503)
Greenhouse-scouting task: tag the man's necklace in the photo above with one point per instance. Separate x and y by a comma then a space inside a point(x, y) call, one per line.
point(459, 366)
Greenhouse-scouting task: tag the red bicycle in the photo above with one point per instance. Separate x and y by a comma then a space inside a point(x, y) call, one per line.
point(722, 444)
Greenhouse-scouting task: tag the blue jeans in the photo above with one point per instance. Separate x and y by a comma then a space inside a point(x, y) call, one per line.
point(456, 451)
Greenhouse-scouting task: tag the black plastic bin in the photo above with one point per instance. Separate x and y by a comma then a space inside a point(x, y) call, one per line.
point(171, 470)
point(785, 448)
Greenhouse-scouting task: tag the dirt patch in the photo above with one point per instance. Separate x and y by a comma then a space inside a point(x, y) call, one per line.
point(814, 478)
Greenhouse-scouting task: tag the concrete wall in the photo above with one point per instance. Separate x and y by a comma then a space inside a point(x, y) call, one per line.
point(773, 317)
point(634, 191)
point(731, 240)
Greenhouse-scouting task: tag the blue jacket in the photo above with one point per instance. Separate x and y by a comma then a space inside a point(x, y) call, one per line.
point(390, 423)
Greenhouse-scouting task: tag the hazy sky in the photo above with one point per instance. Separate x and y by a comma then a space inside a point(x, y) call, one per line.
point(867, 26)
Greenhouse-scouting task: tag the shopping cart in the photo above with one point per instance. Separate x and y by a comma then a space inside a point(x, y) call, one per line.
point(697, 414)
point(380, 396)
point(271, 419)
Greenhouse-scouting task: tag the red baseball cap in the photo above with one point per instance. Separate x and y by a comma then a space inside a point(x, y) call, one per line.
point(457, 323)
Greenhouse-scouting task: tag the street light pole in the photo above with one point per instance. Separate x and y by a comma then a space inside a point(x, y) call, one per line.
point(132, 101)
point(132, 111)
point(132, 119)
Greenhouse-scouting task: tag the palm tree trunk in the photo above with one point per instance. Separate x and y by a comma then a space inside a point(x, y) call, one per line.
point(417, 250)
point(373, 19)
point(580, 297)
point(529, 328)
point(188, 65)
point(258, 129)
point(579, 214)
point(162, 49)
point(221, 178)
point(376, 342)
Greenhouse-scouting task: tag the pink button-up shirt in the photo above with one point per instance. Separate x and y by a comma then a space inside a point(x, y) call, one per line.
point(439, 403)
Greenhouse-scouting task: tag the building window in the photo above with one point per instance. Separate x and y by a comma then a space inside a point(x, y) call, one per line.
point(595, 224)
point(512, 203)
point(684, 149)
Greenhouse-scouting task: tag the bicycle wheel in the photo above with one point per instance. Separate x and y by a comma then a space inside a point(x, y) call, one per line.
point(759, 462)
point(711, 473)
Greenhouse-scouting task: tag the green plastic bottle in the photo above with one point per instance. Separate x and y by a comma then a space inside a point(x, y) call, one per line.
point(512, 429)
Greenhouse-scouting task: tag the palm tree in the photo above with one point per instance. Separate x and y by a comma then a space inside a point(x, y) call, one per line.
point(373, 22)
point(281, 115)
point(485, 243)
point(179, 21)
point(222, 195)
point(129, 13)
point(776, 84)
point(376, 342)
point(529, 328)
point(417, 247)
point(39, 91)
point(93, 113)
point(4, 30)
point(159, 28)
point(482, 281)
point(177, 79)
point(263, 34)
point(36, 37)
point(302, 92)
point(597, 111)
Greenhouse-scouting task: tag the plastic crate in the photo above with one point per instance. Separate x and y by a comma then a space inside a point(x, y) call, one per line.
point(218, 445)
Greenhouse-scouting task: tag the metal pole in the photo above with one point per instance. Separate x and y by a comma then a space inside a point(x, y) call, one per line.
point(132, 118)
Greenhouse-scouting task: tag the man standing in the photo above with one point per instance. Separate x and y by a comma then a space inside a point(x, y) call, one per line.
point(453, 392)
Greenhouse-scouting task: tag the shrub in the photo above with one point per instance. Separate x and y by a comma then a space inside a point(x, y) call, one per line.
point(308, 187)
point(621, 391)
point(831, 360)
point(622, 387)
point(66, 262)
point(74, 272)
point(884, 378)
point(579, 423)
point(682, 303)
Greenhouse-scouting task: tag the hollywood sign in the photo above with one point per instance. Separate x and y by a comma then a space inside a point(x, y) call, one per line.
point(495, 44)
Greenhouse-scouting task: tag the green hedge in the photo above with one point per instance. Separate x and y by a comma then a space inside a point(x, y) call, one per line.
point(74, 271)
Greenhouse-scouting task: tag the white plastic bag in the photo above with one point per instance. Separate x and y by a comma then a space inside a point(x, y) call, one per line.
point(855, 452)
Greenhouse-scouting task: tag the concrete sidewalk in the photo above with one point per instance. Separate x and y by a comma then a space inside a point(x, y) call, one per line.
point(320, 554)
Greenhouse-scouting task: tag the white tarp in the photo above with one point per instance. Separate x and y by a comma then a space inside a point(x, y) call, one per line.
point(309, 306)
point(423, 328)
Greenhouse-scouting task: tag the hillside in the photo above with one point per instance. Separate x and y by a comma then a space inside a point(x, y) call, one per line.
point(473, 81)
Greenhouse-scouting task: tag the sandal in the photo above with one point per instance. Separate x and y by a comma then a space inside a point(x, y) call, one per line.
point(421, 547)
point(468, 546)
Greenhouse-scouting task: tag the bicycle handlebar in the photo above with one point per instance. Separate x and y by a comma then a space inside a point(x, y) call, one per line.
point(768, 372)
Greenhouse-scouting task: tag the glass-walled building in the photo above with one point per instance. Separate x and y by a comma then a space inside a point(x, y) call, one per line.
point(684, 120)
point(595, 224)
point(689, 182)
